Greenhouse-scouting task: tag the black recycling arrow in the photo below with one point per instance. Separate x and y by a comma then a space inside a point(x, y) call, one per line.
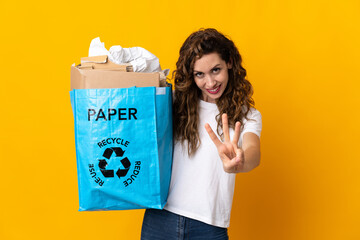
point(126, 164)
point(102, 166)
point(108, 152)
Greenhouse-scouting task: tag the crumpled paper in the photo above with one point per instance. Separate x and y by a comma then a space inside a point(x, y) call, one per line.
point(141, 59)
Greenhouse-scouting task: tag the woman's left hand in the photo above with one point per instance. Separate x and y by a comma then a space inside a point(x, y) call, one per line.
point(232, 156)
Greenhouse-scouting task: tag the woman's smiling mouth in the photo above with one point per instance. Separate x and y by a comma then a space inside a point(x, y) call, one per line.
point(214, 90)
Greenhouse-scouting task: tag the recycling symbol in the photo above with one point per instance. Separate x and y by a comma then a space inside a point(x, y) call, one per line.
point(114, 153)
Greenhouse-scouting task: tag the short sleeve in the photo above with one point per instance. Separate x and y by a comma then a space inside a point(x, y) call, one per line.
point(253, 123)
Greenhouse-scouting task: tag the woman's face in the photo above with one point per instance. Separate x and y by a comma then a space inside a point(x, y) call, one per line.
point(211, 76)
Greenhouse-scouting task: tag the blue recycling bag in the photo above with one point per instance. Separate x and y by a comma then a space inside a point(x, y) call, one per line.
point(123, 139)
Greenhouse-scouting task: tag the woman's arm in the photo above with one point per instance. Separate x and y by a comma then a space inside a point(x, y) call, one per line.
point(251, 148)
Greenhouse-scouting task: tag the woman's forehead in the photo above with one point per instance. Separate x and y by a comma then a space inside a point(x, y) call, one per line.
point(207, 62)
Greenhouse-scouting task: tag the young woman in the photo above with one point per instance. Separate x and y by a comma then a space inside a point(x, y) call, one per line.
point(217, 134)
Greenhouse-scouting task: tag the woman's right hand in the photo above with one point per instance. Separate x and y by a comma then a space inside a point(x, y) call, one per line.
point(231, 155)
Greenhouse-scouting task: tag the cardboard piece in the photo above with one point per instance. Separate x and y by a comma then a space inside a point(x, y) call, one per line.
point(99, 78)
point(103, 62)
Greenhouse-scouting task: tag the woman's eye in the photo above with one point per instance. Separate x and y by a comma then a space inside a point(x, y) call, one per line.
point(216, 70)
point(198, 74)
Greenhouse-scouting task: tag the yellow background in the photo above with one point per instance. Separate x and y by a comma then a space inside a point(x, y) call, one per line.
point(302, 58)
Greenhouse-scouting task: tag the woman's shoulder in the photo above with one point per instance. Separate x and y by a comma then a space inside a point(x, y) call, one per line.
point(252, 113)
point(253, 122)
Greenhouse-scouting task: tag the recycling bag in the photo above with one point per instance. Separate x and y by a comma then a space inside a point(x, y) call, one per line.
point(123, 140)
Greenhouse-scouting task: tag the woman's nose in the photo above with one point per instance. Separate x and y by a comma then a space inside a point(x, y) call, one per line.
point(210, 81)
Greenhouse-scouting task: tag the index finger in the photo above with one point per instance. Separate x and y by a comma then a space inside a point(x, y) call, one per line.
point(212, 135)
point(225, 126)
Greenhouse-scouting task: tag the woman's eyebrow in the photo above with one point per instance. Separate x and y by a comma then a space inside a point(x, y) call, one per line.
point(217, 65)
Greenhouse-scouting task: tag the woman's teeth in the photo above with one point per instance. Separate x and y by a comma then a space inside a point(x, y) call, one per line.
point(215, 90)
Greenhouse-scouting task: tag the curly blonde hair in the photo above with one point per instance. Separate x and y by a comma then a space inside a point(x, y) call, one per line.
point(236, 97)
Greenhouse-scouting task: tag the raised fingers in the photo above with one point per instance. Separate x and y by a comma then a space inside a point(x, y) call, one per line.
point(212, 135)
point(236, 133)
point(225, 127)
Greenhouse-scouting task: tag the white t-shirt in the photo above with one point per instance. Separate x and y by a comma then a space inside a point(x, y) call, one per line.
point(200, 188)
